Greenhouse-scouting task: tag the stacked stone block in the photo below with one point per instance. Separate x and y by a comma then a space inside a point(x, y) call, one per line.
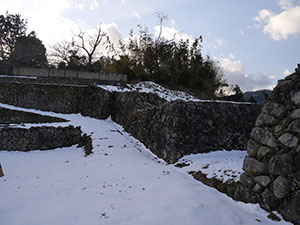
point(272, 167)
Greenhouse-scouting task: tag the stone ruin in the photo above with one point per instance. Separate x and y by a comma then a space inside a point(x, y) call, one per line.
point(272, 167)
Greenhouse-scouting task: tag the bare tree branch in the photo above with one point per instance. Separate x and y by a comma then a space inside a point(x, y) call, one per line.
point(91, 43)
point(161, 17)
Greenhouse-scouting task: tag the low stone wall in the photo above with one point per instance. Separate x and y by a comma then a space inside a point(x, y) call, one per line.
point(51, 72)
point(38, 138)
point(9, 116)
point(87, 100)
point(272, 169)
point(169, 129)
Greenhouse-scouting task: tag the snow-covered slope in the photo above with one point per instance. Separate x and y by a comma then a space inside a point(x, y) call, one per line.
point(167, 94)
point(121, 183)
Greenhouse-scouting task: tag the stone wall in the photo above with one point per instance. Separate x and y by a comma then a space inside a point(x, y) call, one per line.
point(51, 72)
point(8, 116)
point(272, 169)
point(87, 100)
point(38, 138)
point(174, 129)
point(169, 129)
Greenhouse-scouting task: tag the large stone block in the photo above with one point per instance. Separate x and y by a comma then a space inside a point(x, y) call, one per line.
point(253, 166)
point(263, 180)
point(289, 140)
point(264, 136)
point(281, 187)
point(280, 165)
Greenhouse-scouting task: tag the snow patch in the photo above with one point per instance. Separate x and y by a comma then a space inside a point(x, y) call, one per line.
point(164, 93)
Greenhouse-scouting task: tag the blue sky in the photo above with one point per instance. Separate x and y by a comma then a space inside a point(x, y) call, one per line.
point(256, 42)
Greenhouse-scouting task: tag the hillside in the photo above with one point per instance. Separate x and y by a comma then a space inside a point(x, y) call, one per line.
point(257, 95)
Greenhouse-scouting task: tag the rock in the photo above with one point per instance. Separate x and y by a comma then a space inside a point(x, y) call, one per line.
point(265, 120)
point(253, 166)
point(273, 109)
point(290, 208)
point(289, 140)
point(245, 194)
point(294, 126)
point(295, 97)
point(280, 165)
point(263, 151)
point(252, 147)
point(278, 130)
point(295, 114)
point(258, 188)
point(268, 201)
point(246, 180)
point(263, 180)
point(281, 187)
point(264, 136)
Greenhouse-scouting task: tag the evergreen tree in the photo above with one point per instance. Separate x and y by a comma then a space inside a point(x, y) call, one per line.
point(29, 51)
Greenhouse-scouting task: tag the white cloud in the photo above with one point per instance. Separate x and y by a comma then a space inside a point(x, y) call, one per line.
point(94, 5)
point(44, 17)
point(263, 16)
point(231, 66)
point(231, 56)
point(286, 72)
point(170, 33)
point(219, 41)
point(173, 23)
point(285, 4)
point(79, 6)
point(282, 25)
point(136, 14)
point(215, 43)
point(235, 74)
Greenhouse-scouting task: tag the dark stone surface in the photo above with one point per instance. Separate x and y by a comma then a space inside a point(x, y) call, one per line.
point(277, 135)
point(9, 116)
point(38, 138)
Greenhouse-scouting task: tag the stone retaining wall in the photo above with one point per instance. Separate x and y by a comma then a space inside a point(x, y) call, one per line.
point(38, 138)
point(169, 129)
point(174, 129)
point(8, 116)
point(272, 169)
point(51, 72)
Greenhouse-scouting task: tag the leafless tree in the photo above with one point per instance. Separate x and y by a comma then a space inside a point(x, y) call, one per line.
point(89, 44)
point(60, 52)
point(161, 18)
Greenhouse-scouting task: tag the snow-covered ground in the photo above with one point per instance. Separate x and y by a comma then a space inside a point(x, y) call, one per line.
point(223, 165)
point(121, 183)
point(167, 94)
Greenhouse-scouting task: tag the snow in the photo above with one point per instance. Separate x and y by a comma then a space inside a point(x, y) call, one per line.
point(223, 165)
point(121, 183)
point(167, 94)
point(17, 76)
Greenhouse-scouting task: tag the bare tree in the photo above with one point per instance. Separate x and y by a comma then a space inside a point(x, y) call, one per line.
point(161, 17)
point(60, 52)
point(90, 44)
